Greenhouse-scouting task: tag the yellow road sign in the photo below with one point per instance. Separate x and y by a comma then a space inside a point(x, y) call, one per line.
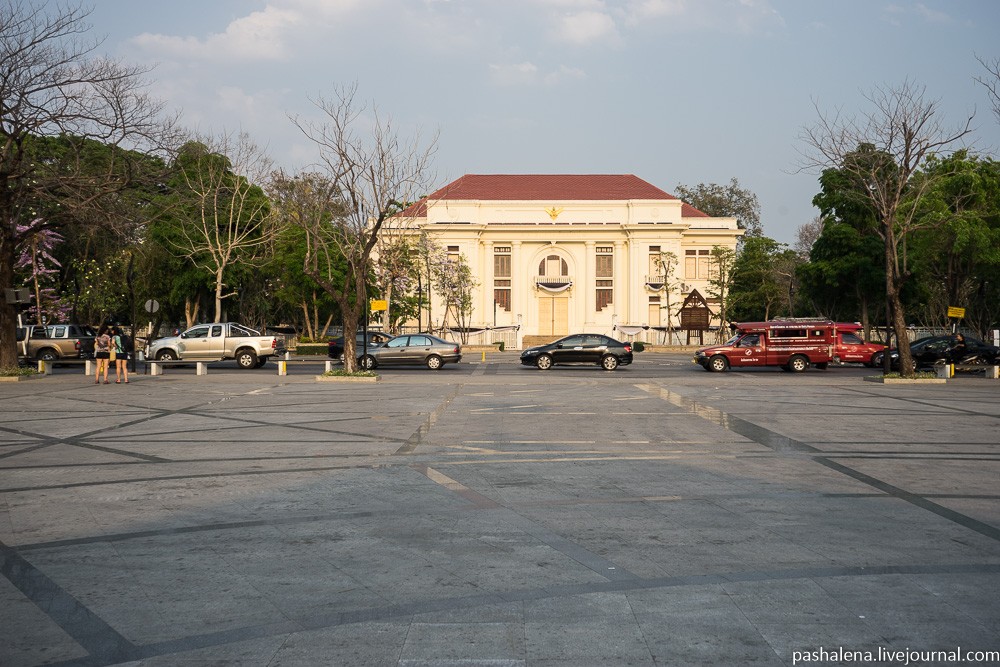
point(957, 313)
point(379, 304)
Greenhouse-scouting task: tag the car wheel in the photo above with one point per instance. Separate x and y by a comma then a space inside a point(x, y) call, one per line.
point(166, 355)
point(876, 360)
point(718, 364)
point(798, 363)
point(246, 359)
point(544, 362)
point(368, 362)
point(48, 354)
point(434, 362)
point(609, 362)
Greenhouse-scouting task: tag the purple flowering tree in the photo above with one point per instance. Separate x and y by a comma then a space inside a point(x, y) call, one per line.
point(37, 263)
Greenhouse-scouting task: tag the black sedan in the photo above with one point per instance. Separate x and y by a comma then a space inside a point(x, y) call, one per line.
point(412, 350)
point(335, 348)
point(580, 349)
point(933, 350)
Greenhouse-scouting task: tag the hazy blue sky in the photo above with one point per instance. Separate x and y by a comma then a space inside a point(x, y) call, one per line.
point(674, 91)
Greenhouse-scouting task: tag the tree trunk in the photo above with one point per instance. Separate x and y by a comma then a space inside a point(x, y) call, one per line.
point(8, 312)
point(191, 309)
point(218, 296)
point(307, 319)
point(893, 287)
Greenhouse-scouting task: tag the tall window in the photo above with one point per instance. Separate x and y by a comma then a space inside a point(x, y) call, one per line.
point(655, 264)
point(501, 276)
point(698, 264)
point(605, 276)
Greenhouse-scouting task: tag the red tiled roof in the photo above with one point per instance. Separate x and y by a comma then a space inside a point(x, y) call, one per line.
point(548, 188)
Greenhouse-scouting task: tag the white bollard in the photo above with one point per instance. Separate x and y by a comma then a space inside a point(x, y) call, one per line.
point(944, 371)
point(88, 367)
point(282, 367)
point(202, 368)
point(155, 368)
point(44, 367)
point(993, 372)
point(329, 365)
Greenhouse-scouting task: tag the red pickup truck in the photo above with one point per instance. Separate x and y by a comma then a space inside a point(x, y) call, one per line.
point(793, 345)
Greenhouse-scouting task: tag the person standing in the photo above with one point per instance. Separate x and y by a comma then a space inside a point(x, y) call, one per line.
point(119, 343)
point(102, 354)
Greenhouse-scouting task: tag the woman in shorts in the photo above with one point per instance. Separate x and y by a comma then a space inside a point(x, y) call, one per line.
point(102, 353)
point(118, 344)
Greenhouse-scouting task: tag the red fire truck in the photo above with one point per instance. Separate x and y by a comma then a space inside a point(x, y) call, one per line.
point(793, 345)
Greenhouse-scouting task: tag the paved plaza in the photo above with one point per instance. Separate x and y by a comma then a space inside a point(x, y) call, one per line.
point(493, 515)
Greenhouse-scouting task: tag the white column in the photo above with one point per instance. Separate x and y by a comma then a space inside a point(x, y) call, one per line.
point(588, 285)
point(520, 283)
point(621, 284)
point(486, 265)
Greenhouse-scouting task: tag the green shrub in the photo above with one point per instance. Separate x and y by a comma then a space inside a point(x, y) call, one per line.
point(15, 371)
point(500, 346)
point(638, 346)
point(340, 372)
point(311, 348)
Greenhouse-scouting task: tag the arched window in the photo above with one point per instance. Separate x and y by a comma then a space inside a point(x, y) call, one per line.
point(553, 266)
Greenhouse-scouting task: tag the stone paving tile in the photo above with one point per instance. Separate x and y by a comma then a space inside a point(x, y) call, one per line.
point(446, 519)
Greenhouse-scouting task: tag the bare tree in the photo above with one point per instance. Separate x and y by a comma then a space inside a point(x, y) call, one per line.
point(667, 263)
point(806, 236)
point(53, 85)
point(229, 219)
point(991, 81)
point(880, 151)
point(720, 283)
point(371, 175)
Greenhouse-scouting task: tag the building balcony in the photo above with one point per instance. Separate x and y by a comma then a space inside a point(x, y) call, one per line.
point(656, 282)
point(553, 283)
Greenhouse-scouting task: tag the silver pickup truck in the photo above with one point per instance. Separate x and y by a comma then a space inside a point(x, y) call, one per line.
point(215, 342)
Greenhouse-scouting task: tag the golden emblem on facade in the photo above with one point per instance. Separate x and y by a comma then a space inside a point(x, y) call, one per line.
point(554, 212)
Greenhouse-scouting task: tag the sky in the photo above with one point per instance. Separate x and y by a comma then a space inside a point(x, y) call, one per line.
point(673, 91)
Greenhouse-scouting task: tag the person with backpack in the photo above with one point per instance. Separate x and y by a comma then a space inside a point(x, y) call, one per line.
point(121, 344)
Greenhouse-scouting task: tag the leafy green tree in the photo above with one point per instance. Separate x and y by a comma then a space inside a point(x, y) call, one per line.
point(958, 257)
point(298, 201)
point(846, 275)
point(725, 201)
point(221, 215)
point(720, 284)
point(760, 289)
point(843, 278)
point(879, 153)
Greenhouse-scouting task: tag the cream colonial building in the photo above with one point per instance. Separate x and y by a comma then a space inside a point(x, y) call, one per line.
point(559, 254)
